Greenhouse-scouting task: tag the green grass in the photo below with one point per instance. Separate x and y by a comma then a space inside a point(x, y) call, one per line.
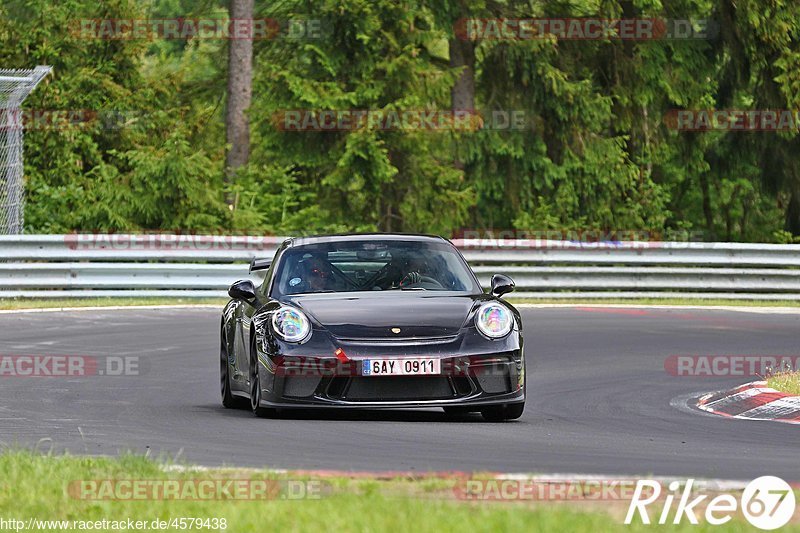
point(36, 486)
point(788, 382)
point(40, 303)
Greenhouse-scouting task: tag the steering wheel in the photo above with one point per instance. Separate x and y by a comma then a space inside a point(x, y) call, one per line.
point(379, 276)
point(421, 282)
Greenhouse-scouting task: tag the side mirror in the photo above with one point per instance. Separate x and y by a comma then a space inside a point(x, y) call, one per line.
point(501, 285)
point(243, 290)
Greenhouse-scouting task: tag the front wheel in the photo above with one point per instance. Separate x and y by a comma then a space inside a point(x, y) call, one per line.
point(228, 399)
point(500, 413)
point(255, 394)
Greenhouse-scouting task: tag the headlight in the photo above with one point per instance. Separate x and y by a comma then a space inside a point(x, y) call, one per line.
point(291, 324)
point(494, 320)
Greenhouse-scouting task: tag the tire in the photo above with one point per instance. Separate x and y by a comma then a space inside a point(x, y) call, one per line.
point(229, 401)
point(501, 413)
point(255, 392)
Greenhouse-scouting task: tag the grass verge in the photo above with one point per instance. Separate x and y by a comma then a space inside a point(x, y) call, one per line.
point(788, 382)
point(43, 488)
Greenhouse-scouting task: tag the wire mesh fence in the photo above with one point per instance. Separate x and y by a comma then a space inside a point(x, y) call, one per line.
point(15, 86)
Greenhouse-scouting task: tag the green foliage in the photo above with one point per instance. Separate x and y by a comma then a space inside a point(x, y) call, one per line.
point(376, 56)
point(47, 489)
point(596, 152)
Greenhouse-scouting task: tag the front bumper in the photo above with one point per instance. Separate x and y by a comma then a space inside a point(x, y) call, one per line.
point(475, 380)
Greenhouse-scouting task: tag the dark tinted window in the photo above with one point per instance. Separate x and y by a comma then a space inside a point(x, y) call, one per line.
point(373, 266)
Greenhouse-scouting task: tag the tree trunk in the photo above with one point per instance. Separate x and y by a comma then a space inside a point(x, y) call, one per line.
point(707, 210)
point(240, 79)
point(793, 214)
point(462, 95)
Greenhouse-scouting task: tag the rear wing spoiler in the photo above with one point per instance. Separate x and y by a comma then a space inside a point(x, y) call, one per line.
point(259, 264)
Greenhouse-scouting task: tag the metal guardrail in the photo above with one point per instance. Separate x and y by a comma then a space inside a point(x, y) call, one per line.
point(204, 266)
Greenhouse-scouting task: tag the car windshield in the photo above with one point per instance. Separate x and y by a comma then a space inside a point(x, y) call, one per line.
point(373, 266)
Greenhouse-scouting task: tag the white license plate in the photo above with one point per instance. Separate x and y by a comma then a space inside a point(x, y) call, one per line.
point(411, 366)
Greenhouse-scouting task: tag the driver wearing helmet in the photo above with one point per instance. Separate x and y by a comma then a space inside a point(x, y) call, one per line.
point(317, 275)
point(412, 270)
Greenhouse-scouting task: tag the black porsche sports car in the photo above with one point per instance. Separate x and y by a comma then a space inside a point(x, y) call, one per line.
point(371, 321)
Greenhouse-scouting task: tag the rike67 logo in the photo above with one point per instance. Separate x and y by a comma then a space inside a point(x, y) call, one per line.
point(767, 503)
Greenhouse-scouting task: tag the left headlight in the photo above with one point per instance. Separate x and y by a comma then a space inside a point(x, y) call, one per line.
point(291, 324)
point(494, 320)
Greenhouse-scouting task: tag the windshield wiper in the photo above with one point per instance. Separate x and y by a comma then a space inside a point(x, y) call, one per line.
point(311, 292)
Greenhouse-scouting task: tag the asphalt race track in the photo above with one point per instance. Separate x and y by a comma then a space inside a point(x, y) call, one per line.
point(599, 400)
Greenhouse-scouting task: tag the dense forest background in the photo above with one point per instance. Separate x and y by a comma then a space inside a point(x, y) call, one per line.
point(598, 155)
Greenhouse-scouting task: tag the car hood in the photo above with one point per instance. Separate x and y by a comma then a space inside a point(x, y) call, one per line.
point(376, 315)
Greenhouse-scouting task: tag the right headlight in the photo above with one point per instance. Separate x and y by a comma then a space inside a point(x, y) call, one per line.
point(494, 320)
point(291, 324)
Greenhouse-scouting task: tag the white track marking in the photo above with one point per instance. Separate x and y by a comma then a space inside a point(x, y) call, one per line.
point(739, 309)
point(109, 308)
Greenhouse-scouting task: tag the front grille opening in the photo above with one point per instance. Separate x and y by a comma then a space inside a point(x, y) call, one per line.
point(493, 378)
point(395, 388)
point(300, 386)
point(337, 386)
point(462, 385)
